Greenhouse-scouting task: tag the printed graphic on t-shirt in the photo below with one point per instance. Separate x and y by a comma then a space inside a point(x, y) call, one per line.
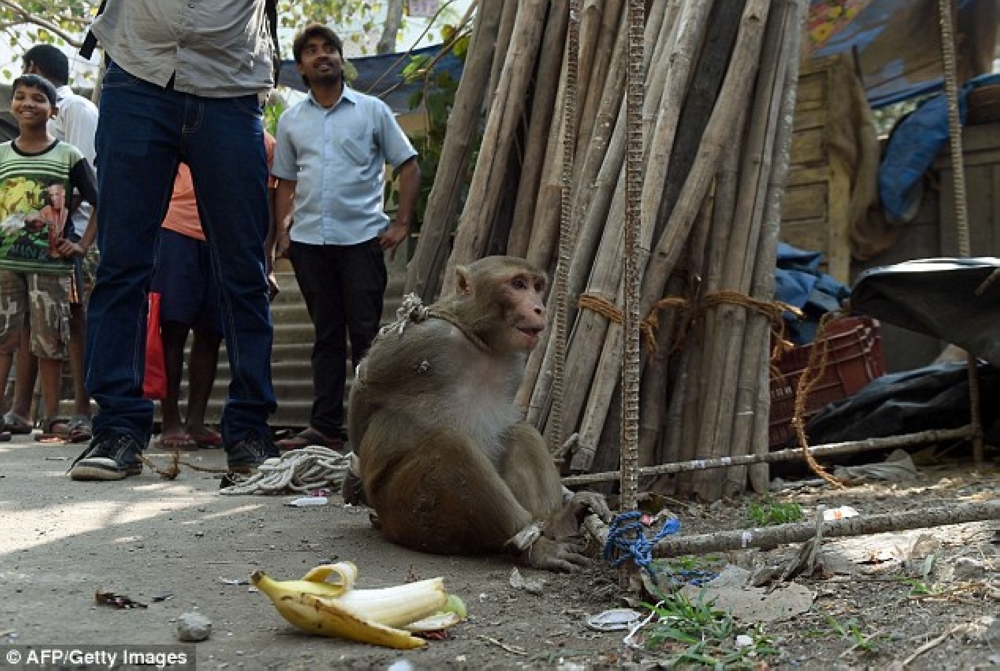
point(33, 215)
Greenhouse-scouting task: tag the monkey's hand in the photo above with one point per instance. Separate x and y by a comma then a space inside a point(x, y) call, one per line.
point(589, 503)
point(553, 555)
point(536, 547)
point(565, 524)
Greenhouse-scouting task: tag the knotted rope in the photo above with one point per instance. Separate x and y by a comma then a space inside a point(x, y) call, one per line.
point(619, 547)
point(413, 311)
point(773, 310)
point(301, 470)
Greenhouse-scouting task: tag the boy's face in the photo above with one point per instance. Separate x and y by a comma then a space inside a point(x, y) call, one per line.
point(31, 106)
point(321, 62)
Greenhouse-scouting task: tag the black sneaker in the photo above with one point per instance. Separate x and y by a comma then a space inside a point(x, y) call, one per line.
point(110, 456)
point(249, 453)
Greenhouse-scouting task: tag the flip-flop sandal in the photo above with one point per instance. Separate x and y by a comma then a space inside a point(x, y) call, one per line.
point(209, 440)
point(308, 437)
point(54, 431)
point(79, 429)
point(176, 443)
point(16, 425)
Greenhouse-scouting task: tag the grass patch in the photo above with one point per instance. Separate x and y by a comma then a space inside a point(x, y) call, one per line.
point(695, 634)
point(770, 513)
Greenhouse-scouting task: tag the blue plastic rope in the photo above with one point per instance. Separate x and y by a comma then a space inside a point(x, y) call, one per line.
point(620, 547)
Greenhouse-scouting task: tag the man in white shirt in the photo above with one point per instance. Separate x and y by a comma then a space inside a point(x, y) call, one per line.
point(330, 158)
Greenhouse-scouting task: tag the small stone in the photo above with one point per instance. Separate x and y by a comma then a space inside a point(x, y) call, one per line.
point(967, 568)
point(193, 627)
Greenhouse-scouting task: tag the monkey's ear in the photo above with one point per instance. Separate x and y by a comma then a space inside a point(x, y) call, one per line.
point(464, 280)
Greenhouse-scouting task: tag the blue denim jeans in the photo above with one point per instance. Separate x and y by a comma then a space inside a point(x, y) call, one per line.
point(143, 133)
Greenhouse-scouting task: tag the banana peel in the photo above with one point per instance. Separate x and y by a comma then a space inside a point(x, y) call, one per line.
point(325, 602)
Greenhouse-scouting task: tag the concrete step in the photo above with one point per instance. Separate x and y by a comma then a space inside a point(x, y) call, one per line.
point(291, 369)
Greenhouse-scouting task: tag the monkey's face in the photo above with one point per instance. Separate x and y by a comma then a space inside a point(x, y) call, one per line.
point(524, 310)
point(502, 300)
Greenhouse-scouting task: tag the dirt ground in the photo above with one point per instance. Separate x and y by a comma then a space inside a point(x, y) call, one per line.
point(178, 546)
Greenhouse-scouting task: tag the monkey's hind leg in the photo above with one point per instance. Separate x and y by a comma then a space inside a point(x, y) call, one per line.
point(530, 473)
point(441, 495)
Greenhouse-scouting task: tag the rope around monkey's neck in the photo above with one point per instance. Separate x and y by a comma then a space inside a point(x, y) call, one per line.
point(413, 310)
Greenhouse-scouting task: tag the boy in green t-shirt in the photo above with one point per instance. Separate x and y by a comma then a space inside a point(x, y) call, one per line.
point(38, 175)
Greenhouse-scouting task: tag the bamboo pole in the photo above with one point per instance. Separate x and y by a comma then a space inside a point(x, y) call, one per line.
point(736, 88)
point(656, 377)
point(423, 273)
point(543, 107)
point(718, 435)
point(605, 277)
point(508, 18)
point(721, 202)
point(598, 247)
point(718, 132)
point(685, 397)
point(723, 23)
point(759, 326)
point(598, 36)
point(544, 224)
point(546, 216)
point(742, 539)
point(501, 128)
point(795, 454)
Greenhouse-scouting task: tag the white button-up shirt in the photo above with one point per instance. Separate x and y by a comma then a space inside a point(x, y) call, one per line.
point(337, 157)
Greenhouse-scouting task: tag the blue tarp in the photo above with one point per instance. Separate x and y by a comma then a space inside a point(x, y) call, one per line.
point(914, 144)
point(799, 283)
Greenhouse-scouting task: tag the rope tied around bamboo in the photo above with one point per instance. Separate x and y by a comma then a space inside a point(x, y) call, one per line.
point(811, 375)
point(773, 310)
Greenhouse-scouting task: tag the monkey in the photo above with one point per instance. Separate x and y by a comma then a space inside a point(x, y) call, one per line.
point(440, 450)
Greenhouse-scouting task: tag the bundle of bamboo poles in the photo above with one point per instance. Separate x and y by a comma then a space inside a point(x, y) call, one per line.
point(716, 126)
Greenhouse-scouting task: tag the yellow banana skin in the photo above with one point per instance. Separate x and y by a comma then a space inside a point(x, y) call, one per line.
point(324, 602)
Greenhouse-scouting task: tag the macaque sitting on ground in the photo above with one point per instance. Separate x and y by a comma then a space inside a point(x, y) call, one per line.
point(443, 454)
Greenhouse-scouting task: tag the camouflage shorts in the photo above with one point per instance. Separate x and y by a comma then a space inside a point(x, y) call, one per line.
point(83, 276)
point(45, 301)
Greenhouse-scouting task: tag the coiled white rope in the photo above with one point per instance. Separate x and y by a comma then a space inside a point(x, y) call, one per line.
point(300, 470)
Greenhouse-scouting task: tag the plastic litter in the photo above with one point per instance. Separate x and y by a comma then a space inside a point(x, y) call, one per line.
point(615, 619)
point(839, 513)
point(306, 501)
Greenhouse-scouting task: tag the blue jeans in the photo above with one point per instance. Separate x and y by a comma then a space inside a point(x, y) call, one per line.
point(143, 133)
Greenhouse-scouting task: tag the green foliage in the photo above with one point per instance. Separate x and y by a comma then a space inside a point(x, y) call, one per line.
point(272, 111)
point(437, 95)
point(771, 513)
point(698, 635)
point(922, 586)
point(887, 117)
point(851, 630)
point(26, 23)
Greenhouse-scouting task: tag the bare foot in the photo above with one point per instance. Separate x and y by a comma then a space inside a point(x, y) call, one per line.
point(204, 436)
point(176, 439)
